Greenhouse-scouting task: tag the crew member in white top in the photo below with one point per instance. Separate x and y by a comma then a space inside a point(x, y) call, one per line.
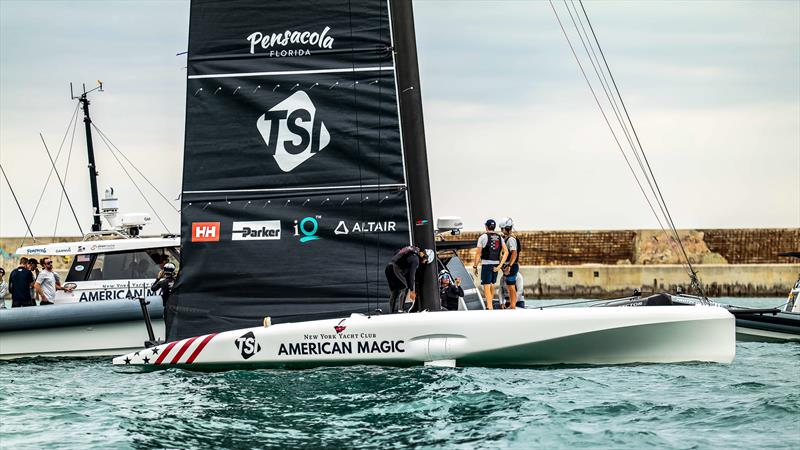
point(491, 254)
point(47, 283)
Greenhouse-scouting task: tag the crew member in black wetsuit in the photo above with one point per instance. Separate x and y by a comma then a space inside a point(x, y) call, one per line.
point(164, 284)
point(401, 274)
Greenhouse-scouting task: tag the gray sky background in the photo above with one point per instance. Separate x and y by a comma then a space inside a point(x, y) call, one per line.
point(713, 88)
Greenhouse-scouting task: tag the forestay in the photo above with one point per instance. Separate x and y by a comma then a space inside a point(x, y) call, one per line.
point(294, 186)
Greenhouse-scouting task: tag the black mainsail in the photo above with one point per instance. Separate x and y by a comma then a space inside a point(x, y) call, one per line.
point(295, 186)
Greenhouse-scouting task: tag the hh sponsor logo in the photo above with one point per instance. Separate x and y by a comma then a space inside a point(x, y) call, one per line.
point(264, 230)
point(205, 231)
point(247, 345)
point(365, 227)
point(272, 42)
point(307, 229)
point(293, 131)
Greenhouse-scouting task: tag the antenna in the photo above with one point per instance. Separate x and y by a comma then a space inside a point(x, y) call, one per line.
point(83, 99)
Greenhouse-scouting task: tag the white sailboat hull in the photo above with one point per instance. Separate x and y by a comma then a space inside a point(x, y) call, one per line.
point(101, 339)
point(659, 334)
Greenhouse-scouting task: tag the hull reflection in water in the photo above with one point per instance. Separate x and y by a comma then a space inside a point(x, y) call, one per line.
point(663, 334)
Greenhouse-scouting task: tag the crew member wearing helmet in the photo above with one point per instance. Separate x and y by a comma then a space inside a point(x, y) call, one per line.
point(401, 275)
point(491, 254)
point(511, 268)
point(449, 291)
point(164, 283)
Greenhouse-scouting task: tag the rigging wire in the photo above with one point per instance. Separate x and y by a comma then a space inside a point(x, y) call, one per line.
point(103, 138)
point(602, 111)
point(673, 235)
point(50, 174)
point(641, 148)
point(358, 149)
point(66, 177)
point(659, 195)
point(13, 194)
point(135, 168)
point(62, 184)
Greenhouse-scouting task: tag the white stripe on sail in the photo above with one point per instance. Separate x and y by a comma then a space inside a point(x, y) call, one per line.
point(298, 189)
point(290, 72)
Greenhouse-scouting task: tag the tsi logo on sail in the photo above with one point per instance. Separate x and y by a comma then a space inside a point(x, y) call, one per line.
point(264, 230)
point(293, 131)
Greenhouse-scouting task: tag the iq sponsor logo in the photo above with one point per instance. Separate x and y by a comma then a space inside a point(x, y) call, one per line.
point(307, 227)
point(205, 231)
point(364, 227)
point(293, 131)
point(265, 230)
point(247, 345)
point(273, 42)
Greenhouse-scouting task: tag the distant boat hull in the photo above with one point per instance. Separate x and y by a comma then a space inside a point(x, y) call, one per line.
point(579, 336)
point(76, 330)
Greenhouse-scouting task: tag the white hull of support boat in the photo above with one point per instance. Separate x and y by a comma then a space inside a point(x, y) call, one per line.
point(659, 334)
point(748, 334)
point(102, 339)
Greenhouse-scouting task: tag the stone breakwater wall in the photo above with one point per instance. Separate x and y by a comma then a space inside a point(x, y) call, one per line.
point(648, 247)
point(598, 264)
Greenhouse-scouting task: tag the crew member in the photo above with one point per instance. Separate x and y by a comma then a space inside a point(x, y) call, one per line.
point(20, 283)
point(164, 284)
point(47, 283)
point(511, 268)
point(449, 291)
point(401, 274)
point(491, 254)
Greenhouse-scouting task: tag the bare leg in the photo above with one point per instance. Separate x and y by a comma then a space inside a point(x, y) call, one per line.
point(512, 295)
point(488, 293)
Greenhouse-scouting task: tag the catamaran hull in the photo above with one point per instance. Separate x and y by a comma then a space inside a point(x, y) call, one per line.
point(579, 336)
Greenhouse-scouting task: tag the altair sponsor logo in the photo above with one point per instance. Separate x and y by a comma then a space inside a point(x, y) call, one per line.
point(293, 131)
point(365, 227)
point(205, 231)
point(306, 38)
point(256, 231)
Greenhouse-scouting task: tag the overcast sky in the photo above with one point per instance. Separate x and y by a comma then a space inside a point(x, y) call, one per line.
point(512, 129)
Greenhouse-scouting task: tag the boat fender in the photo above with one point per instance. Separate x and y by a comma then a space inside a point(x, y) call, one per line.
point(267, 321)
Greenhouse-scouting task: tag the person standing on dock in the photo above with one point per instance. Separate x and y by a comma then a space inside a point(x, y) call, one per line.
point(511, 268)
point(491, 253)
point(3, 287)
point(20, 283)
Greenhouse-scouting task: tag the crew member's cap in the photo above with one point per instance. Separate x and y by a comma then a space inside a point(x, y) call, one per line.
point(507, 223)
point(429, 255)
point(169, 267)
point(490, 223)
point(445, 275)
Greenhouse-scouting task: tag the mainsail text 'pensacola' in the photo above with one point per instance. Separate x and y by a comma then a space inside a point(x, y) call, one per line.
point(321, 40)
point(341, 348)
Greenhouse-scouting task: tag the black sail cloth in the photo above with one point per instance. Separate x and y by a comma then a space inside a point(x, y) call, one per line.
point(294, 186)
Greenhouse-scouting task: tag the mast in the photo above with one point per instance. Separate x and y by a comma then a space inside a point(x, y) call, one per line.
point(87, 121)
point(415, 152)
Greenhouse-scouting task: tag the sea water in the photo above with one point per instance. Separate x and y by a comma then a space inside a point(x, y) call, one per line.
point(88, 404)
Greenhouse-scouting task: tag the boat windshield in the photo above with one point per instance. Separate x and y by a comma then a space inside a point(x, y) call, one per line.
point(130, 265)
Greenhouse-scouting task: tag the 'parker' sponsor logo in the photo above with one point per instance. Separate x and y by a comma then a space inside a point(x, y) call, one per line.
point(205, 231)
point(293, 131)
point(256, 231)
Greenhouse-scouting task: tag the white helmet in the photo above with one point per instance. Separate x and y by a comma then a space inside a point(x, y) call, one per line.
point(430, 255)
point(506, 223)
